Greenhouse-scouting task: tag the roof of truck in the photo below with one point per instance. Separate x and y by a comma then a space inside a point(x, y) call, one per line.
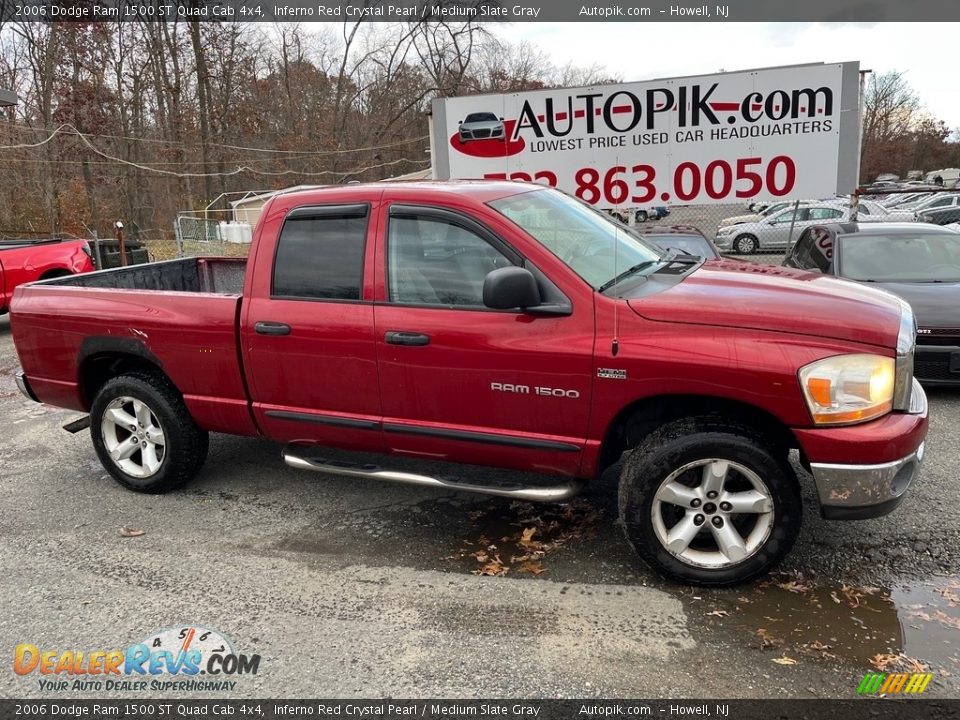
point(481, 190)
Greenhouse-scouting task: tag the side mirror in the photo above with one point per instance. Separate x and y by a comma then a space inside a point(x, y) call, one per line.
point(501, 119)
point(459, 122)
point(510, 287)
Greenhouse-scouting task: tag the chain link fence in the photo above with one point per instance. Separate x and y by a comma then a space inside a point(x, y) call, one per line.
point(759, 230)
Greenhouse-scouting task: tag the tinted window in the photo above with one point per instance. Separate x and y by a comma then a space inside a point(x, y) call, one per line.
point(480, 117)
point(907, 257)
point(320, 257)
point(435, 262)
point(788, 216)
point(824, 213)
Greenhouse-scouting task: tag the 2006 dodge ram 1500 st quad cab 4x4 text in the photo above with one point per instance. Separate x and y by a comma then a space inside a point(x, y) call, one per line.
point(498, 324)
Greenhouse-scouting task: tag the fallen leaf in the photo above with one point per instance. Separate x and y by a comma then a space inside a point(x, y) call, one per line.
point(766, 639)
point(526, 538)
point(131, 532)
point(785, 660)
point(534, 568)
point(793, 586)
point(493, 568)
point(887, 661)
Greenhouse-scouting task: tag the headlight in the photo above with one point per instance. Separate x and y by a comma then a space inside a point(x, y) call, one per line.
point(724, 229)
point(848, 389)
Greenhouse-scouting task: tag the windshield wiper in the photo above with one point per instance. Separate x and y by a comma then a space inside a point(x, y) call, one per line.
point(627, 273)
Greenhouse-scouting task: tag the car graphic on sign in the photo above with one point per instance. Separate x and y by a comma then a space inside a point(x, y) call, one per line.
point(481, 126)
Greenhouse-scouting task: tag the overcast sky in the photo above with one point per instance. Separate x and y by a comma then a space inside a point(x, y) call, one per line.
point(926, 52)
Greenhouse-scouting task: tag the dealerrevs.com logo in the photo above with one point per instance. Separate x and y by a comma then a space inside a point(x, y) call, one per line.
point(189, 658)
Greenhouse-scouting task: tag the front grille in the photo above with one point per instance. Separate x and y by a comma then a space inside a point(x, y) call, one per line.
point(938, 369)
point(481, 133)
point(939, 341)
point(938, 336)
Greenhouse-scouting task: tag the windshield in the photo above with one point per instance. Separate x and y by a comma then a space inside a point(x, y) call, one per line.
point(932, 257)
point(689, 244)
point(480, 117)
point(579, 235)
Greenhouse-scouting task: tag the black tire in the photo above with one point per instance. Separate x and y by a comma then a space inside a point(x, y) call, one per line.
point(745, 244)
point(641, 216)
point(186, 444)
point(681, 442)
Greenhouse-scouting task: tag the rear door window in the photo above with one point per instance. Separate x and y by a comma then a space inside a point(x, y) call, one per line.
point(320, 253)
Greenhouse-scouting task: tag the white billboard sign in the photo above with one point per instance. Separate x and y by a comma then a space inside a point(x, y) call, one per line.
point(786, 132)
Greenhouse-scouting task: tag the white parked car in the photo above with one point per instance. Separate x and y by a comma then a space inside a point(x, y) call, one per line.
point(756, 216)
point(774, 232)
point(929, 202)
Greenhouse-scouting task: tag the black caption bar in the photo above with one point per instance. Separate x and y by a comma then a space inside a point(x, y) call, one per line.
point(148, 709)
point(478, 10)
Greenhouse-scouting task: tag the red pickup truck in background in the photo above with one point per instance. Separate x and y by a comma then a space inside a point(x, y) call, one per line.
point(23, 261)
point(498, 324)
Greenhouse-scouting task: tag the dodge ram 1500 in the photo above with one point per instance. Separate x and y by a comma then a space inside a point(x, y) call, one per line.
point(498, 324)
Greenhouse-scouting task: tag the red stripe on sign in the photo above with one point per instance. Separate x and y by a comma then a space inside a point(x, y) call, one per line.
point(756, 106)
point(598, 112)
point(660, 105)
point(541, 118)
point(725, 106)
point(561, 116)
point(579, 113)
point(620, 109)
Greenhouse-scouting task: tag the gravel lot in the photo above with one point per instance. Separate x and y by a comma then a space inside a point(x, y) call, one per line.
point(353, 588)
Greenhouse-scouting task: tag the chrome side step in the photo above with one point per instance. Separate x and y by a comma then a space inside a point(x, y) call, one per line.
point(530, 493)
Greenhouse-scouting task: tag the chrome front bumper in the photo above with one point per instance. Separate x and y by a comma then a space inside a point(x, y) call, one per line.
point(857, 492)
point(21, 380)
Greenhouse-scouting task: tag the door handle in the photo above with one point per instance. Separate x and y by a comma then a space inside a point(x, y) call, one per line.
point(396, 337)
point(271, 328)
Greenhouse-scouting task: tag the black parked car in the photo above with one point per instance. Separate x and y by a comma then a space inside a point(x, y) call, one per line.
point(917, 261)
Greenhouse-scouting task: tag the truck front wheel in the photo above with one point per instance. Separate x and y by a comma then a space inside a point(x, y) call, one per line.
point(706, 502)
point(144, 434)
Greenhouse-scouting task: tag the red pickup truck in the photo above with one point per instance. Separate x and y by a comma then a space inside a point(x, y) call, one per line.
point(23, 261)
point(498, 324)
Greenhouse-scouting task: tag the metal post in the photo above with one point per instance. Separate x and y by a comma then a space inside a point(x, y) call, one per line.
point(793, 222)
point(178, 236)
point(863, 98)
point(123, 253)
point(855, 204)
point(97, 254)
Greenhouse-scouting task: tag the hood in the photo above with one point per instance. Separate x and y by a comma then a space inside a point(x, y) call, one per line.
point(936, 305)
point(738, 219)
point(779, 299)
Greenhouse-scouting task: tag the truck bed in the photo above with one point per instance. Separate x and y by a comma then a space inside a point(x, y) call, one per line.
point(220, 276)
point(181, 316)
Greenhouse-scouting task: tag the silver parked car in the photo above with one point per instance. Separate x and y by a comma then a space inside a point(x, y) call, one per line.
point(774, 232)
point(481, 126)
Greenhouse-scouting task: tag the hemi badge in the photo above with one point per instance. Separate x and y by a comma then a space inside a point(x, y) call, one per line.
point(612, 373)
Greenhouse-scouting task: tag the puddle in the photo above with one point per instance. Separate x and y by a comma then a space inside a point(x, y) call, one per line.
point(897, 628)
point(519, 538)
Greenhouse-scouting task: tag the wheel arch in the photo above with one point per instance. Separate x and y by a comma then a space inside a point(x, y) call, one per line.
point(103, 358)
point(56, 272)
point(642, 417)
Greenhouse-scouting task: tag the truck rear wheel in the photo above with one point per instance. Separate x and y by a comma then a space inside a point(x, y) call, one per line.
point(144, 434)
point(706, 502)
